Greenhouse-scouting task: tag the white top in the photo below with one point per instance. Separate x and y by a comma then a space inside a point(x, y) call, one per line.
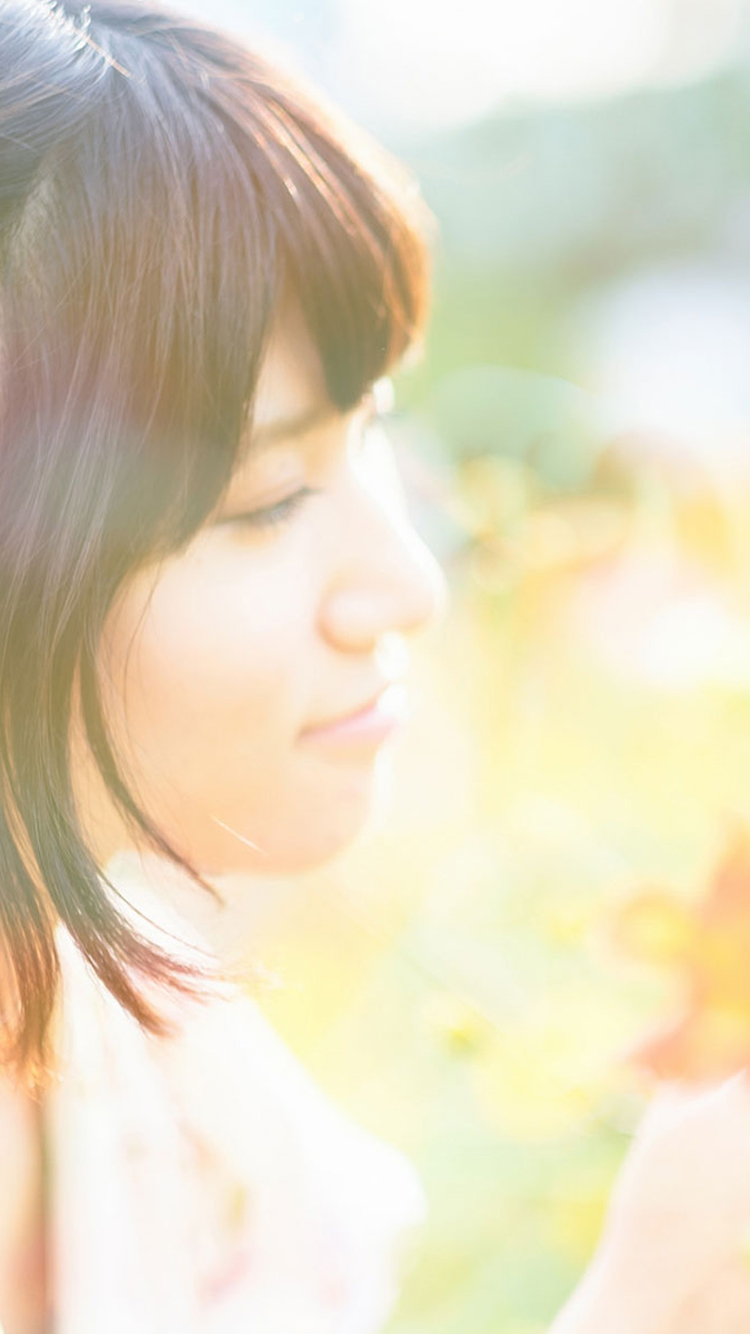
point(204, 1184)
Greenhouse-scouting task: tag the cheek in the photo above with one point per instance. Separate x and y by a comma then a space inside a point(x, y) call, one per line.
point(208, 676)
point(215, 672)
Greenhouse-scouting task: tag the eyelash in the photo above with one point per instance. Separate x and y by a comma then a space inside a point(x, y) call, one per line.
point(273, 516)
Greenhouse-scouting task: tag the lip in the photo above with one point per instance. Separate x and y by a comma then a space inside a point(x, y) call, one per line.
point(370, 725)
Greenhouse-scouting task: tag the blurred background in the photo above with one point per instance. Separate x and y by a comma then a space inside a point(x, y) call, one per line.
point(554, 909)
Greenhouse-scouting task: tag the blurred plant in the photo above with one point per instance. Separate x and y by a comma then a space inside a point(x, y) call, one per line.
point(706, 947)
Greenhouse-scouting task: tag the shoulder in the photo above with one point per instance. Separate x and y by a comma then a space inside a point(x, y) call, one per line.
point(21, 1205)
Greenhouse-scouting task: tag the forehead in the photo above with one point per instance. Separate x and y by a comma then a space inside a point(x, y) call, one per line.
point(291, 381)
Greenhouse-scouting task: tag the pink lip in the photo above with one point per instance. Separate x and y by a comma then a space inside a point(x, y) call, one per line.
point(370, 725)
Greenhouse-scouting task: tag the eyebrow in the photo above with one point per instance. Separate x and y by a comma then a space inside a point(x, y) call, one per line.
point(290, 428)
point(261, 438)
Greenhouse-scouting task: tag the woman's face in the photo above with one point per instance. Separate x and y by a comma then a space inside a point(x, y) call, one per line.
point(218, 661)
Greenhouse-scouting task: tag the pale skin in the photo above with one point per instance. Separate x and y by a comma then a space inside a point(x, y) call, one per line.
point(216, 661)
point(213, 665)
point(674, 1255)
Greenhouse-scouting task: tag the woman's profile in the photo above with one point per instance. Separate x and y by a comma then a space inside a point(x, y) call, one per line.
point(208, 582)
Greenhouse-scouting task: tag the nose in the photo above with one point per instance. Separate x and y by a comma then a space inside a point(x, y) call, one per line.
point(386, 577)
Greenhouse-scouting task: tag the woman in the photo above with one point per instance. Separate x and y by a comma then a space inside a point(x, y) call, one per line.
point(207, 582)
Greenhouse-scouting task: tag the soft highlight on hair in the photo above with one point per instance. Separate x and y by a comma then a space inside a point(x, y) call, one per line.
point(161, 187)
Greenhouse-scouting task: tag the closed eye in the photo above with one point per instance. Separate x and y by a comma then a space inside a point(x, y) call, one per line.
point(272, 516)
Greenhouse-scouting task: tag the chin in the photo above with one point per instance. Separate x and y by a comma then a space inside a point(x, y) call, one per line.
point(289, 858)
point(284, 851)
point(305, 831)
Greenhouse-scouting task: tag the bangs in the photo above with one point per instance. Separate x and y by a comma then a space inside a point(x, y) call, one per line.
point(294, 201)
point(257, 192)
point(354, 256)
point(203, 188)
point(163, 192)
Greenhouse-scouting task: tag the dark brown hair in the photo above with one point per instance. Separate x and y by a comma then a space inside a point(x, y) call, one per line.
point(159, 186)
